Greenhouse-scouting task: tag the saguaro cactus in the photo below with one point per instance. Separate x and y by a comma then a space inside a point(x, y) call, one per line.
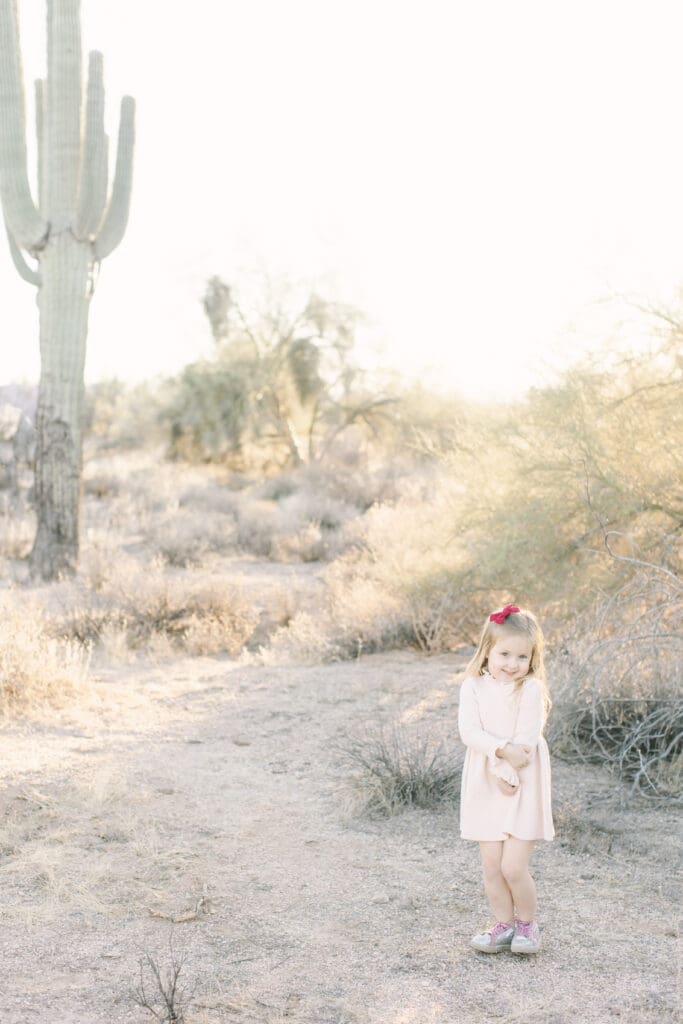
point(69, 231)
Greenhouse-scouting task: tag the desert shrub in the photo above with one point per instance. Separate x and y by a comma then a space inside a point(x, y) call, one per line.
point(152, 609)
point(151, 484)
point(304, 639)
point(121, 415)
point(307, 505)
point(302, 515)
point(36, 669)
point(427, 424)
point(212, 495)
point(179, 512)
point(186, 537)
point(394, 770)
point(256, 526)
point(17, 526)
point(542, 482)
point(101, 485)
point(628, 644)
point(300, 525)
point(125, 489)
point(361, 476)
point(185, 513)
point(618, 685)
point(100, 558)
point(439, 612)
point(400, 583)
point(641, 739)
point(306, 545)
point(359, 618)
point(159, 990)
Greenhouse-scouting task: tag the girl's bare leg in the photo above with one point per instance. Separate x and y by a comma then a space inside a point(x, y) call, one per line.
point(515, 870)
point(497, 889)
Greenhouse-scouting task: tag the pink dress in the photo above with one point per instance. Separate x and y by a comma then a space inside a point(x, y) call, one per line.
point(490, 715)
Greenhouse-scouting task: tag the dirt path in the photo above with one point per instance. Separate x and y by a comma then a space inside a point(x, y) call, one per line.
point(208, 790)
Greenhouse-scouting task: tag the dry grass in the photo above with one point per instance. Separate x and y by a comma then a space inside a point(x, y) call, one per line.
point(305, 639)
point(93, 845)
point(187, 515)
point(37, 670)
point(145, 608)
point(300, 526)
point(397, 585)
point(394, 770)
point(17, 526)
point(185, 537)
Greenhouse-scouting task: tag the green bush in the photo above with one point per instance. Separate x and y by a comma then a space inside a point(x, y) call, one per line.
point(590, 457)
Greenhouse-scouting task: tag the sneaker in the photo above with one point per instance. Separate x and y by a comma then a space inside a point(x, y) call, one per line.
point(496, 939)
point(527, 937)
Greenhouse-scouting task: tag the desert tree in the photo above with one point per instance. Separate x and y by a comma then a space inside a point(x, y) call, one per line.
point(75, 223)
point(282, 377)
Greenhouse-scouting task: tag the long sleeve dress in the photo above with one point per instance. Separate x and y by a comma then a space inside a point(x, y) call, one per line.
point(490, 715)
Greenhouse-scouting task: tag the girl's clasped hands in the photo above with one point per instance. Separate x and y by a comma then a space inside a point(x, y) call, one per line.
point(519, 756)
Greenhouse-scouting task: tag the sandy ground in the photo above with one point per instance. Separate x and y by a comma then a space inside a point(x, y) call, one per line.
point(211, 790)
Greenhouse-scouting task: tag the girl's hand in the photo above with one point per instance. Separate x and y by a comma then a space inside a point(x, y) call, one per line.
point(506, 787)
point(516, 754)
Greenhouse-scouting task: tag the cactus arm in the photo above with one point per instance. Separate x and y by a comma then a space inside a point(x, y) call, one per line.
point(63, 155)
point(28, 274)
point(25, 222)
point(116, 218)
point(92, 188)
point(40, 139)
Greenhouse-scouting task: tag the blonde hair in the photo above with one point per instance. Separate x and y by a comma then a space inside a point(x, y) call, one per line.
point(521, 623)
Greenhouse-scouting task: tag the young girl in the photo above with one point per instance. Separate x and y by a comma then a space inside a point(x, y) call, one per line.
point(505, 799)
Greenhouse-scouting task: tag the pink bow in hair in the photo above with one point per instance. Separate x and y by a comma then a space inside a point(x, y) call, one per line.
point(502, 615)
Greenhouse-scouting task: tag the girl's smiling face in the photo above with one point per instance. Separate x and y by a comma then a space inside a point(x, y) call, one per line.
point(509, 658)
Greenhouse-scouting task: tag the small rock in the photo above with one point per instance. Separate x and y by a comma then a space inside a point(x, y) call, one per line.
point(407, 904)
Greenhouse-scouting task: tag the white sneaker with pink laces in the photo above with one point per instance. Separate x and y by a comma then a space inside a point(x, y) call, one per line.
point(496, 939)
point(527, 937)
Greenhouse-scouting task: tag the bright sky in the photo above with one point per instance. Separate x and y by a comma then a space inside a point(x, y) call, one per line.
point(475, 174)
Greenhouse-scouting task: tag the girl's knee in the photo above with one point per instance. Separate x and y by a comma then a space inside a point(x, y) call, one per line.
point(513, 871)
point(492, 871)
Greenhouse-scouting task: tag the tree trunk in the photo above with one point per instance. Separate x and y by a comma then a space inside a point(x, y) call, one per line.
point(63, 302)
